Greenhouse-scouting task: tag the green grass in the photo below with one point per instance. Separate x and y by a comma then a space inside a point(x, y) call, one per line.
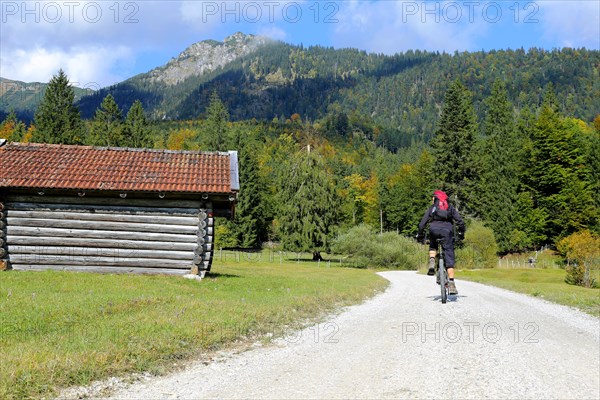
point(544, 283)
point(60, 329)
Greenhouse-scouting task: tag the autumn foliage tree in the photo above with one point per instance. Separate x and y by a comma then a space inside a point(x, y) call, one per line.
point(582, 253)
point(12, 128)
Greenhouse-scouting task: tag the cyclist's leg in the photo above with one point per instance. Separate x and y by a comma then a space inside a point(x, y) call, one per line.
point(432, 252)
point(433, 235)
point(449, 253)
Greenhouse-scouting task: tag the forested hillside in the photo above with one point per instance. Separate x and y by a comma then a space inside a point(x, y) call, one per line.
point(332, 139)
point(403, 94)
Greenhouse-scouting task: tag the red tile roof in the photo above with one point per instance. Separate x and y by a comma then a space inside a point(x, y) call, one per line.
point(31, 165)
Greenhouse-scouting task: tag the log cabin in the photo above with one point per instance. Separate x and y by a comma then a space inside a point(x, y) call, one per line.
point(83, 208)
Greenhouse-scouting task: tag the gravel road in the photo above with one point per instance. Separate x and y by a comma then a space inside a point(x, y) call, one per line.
point(484, 343)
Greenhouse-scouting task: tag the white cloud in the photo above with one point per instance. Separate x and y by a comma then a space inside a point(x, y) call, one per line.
point(93, 41)
point(85, 67)
point(108, 41)
point(571, 23)
point(392, 26)
point(272, 32)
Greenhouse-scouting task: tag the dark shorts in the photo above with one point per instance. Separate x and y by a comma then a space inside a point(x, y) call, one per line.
point(448, 244)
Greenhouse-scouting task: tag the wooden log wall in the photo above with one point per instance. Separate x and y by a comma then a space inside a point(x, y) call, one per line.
point(4, 262)
point(152, 236)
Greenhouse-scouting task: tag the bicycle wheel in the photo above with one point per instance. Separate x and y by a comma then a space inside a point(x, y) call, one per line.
point(443, 281)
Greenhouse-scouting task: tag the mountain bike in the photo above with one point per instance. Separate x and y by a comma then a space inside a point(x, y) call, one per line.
point(441, 274)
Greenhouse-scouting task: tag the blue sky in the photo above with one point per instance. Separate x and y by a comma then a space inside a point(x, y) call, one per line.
point(99, 43)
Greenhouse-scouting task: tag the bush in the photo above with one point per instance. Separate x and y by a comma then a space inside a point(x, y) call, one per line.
point(224, 235)
point(365, 248)
point(479, 249)
point(581, 252)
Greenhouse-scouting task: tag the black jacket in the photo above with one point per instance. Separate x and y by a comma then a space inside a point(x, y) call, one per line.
point(454, 217)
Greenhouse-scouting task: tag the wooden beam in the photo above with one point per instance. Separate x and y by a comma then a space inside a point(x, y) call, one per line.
point(106, 243)
point(32, 259)
point(100, 216)
point(165, 211)
point(102, 225)
point(96, 234)
point(100, 269)
point(105, 201)
point(91, 252)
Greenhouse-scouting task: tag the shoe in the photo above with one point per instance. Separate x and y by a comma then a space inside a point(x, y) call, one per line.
point(431, 266)
point(452, 288)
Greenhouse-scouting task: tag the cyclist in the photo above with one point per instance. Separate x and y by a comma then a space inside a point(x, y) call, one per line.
point(441, 216)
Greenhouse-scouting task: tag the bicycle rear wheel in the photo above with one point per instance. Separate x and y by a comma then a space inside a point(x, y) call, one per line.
point(443, 275)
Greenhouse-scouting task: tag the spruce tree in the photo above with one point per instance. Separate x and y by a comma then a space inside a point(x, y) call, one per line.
point(530, 221)
point(248, 223)
point(57, 119)
point(593, 162)
point(308, 208)
point(107, 125)
point(216, 125)
point(136, 132)
point(558, 174)
point(453, 146)
point(501, 154)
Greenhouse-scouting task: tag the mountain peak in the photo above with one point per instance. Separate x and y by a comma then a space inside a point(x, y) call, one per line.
point(206, 56)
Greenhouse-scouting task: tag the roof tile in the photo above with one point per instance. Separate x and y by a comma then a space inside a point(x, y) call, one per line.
point(31, 165)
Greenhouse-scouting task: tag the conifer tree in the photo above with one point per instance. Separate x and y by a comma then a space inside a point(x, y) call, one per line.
point(501, 152)
point(57, 119)
point(453, 146)
point(558, 175)
point(308, 213)
point(530, 221)
point(107, 125)
point(136, 132)
point(248, 223)
point(216, 129)
point(593, 162)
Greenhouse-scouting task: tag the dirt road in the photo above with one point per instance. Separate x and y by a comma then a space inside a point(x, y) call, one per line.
point(485, 343)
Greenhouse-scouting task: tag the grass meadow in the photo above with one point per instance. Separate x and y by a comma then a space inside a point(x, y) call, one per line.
point(61, 329)
point(548, 284)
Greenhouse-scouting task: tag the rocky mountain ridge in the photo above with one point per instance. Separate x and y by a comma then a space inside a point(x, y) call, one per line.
point(206, 56)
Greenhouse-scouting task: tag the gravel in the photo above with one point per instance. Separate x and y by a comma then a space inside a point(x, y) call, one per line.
point(484, 343)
